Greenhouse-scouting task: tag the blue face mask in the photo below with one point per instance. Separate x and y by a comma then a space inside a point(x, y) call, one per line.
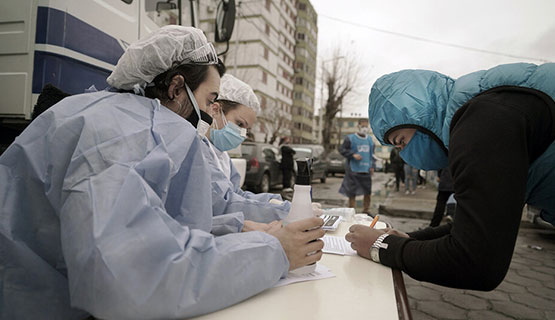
point(229, 137)
point(423, 152)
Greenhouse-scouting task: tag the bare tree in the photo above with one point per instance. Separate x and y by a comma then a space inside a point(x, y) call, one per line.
point(340, 76)
point(274, 121)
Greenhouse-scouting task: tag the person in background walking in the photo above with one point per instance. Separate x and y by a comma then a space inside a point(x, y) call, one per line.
point(358, 149)
point(411, 175)
point(287, 163)
point(444, 191)
point(397, 164)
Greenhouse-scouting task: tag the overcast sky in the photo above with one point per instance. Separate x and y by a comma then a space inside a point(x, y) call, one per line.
point(516, 29)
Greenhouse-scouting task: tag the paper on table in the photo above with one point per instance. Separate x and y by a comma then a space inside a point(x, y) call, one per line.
point(337, 245)
point(321, 272)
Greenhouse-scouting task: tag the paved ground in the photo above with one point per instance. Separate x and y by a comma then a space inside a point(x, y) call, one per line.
point(528, 291)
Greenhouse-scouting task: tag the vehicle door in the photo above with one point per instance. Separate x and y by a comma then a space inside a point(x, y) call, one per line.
point(318, 163)
point(270, 154)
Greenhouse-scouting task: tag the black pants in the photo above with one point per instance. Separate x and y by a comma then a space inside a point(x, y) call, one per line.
point(287, 174)
point(442, 197)
point(399, 176)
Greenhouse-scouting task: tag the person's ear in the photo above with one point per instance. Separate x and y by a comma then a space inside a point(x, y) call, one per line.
point(214, 109)
point(177, 84)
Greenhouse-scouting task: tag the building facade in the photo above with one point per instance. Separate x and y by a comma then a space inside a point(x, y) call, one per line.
point(262, 53)
point(305, 72)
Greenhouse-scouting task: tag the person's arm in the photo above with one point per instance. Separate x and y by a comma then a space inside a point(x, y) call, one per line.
point(345, 148)
point(430, 233)
point(227, 223)
point(489, 163)
point(136, 244)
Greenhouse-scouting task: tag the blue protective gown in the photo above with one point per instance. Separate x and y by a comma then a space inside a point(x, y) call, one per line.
point(105, 206)
point(226, 199)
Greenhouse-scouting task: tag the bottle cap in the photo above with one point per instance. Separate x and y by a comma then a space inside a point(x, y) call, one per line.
point(303, 172)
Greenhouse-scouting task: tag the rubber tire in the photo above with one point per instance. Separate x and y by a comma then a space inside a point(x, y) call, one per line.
point(264, 186)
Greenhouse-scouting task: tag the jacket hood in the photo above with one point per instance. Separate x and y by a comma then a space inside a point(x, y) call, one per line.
point(409, 98)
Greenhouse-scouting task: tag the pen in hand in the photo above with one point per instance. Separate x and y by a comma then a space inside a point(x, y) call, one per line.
point(374, 221)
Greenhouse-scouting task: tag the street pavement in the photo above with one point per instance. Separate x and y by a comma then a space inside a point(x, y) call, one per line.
point(528, 291)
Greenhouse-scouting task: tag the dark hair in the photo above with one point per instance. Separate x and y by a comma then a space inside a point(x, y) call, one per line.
point(193, 74)
point(363, 120)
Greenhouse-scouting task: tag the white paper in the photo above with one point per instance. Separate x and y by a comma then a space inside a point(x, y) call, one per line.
point(321, 272)
point(337, 245)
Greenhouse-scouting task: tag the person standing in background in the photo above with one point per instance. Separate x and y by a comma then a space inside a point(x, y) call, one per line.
point(287, 163)
point(358, 149)
point(397, 164)
point(411, 176)
point(444, 191)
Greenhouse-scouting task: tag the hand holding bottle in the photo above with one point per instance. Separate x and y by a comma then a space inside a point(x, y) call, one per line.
point(299, 239)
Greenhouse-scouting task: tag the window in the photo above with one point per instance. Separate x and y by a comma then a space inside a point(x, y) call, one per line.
point(351, 124)
point(266, 53)
point(300, 36)
point(264, 77)
point(268, 4)
point(299, 80)
point(267, 30)
point(263, 102)
point(162, 13)
point(302, 6)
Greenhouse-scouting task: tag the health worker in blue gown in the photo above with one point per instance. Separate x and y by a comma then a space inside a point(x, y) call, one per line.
point(233, 113)
point(106, 201)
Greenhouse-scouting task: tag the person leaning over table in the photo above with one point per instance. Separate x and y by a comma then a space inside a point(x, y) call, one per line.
point(106, 202)
point(495, 129)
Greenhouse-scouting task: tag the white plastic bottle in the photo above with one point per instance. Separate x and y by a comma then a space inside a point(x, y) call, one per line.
point(301, 205)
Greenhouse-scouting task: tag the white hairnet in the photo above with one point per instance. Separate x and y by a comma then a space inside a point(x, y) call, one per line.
point(164, 48)
point(235, 90)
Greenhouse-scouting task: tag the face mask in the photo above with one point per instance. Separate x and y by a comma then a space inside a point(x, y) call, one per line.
point(229, 137)
point(199, 119)
point(364, 130)
point(423, 152)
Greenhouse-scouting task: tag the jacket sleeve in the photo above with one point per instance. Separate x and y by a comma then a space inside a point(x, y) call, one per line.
point(488, 159)
point(130, 246)
point(345, 148)
point(225, 200)
point(227, 223)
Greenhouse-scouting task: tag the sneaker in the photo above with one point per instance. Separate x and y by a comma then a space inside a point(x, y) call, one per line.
point(412, 192)
point(407, 192)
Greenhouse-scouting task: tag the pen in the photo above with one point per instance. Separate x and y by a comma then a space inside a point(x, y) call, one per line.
point(374, 221)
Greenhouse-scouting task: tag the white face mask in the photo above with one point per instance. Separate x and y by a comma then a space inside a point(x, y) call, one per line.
point(364, 130)
point(202, 126)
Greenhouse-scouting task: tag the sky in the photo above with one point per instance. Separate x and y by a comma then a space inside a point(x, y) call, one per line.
point(384, 36)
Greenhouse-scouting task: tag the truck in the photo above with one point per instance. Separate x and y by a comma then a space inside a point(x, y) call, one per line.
point(71, 44)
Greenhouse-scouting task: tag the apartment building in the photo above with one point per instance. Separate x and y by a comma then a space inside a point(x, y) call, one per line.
point(261, 53)
point(305, 72)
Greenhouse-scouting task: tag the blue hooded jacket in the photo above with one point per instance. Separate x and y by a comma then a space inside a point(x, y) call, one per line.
point(429, 99)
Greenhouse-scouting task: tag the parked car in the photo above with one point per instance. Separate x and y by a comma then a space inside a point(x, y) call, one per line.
point(263, 166)
point(336, 163)
point(319, 166)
